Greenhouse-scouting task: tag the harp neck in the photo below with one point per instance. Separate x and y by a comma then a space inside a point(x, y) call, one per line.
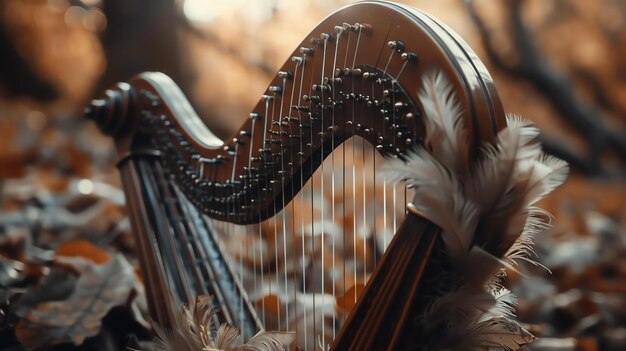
point(280, 143)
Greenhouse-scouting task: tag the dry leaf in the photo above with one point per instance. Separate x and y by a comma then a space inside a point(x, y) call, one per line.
point(84, 249)
point(98, 289)
point(56, 286)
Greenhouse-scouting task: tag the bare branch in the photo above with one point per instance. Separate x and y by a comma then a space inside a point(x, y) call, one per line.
point(583, 118)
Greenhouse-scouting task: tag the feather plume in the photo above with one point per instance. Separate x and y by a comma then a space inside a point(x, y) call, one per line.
point(505, 304)
point(444, 123)
point(500, 333)
point(438, 194)
point(227, 337)
point(486, 214)
point(193, 333)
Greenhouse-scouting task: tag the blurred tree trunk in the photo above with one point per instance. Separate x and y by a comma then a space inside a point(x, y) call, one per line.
point(17, 77)
point(144, 36)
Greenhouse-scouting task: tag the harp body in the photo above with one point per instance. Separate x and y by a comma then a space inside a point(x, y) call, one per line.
point(357, 74)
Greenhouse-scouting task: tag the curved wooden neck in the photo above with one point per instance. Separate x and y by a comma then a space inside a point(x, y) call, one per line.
point(329, 90)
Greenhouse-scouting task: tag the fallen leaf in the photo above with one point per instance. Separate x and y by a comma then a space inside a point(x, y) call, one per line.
point(98, 289)
point(84, 249)
point(56, 286)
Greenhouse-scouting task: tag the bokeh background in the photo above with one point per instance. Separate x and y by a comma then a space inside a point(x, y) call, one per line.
point(559, 63)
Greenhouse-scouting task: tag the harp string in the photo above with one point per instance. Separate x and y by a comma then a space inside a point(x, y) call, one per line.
point(404, 203)
point(248, 201)
point(312, 226)
point(260, 225)
point(284, 223)
point(354, 205)
point(164, 227)
point(343, 186)
point(293, 243)
point(323, 221)
point(302, 207)
point(332, 210)
point(272, 278)
point(233, 229)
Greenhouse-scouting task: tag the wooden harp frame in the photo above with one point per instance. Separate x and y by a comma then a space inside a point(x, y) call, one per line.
point(166, 149)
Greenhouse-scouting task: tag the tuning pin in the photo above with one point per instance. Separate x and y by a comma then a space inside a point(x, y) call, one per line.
point(312, 98)
point(396, 45)
point(364, 28)
point(302, 108)
point(409, 57)
point(275, 89)
point(320, 87)
point(306, 51)
point(285, 74)
point(399, 106)
point(255, 116)
point(369, 75)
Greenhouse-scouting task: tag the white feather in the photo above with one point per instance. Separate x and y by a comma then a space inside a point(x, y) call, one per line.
point(444, 122)
point(497, 193)
point(493, 176)
point(522, 248)
point(227, 337)
point(500, 333)
point(505, 304)
point(419, 168)
point(193, 333)
point(438, 196)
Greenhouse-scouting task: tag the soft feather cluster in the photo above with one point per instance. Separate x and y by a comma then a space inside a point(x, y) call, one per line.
point(486, 211)
point(196, 330)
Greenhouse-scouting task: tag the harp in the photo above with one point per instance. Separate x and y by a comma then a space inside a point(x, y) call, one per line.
point(349, 91)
